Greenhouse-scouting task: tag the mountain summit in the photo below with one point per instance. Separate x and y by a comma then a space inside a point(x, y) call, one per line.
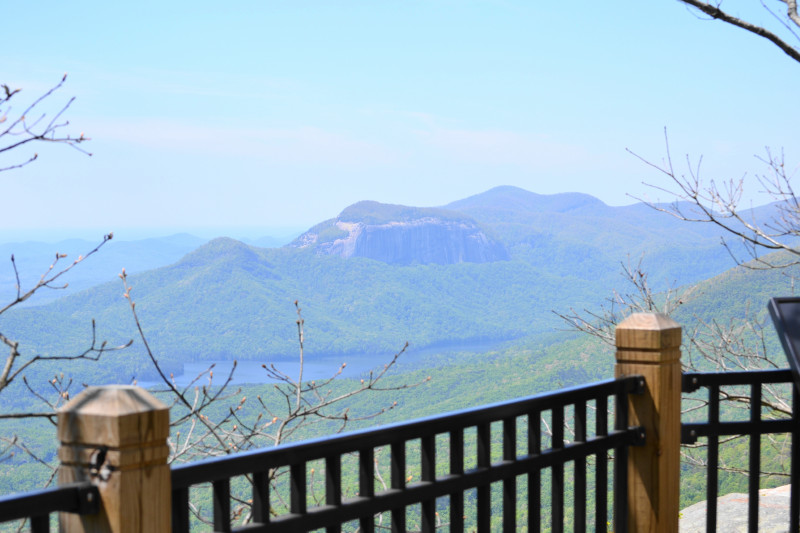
point(403, 235)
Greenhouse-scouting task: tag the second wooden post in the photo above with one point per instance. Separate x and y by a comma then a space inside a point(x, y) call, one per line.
point(648, 344)
point(116, 437)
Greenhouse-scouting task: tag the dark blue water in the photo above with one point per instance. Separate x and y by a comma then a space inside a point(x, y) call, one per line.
point(316, 367)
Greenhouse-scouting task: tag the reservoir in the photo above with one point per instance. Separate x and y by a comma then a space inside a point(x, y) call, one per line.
point(319, 367)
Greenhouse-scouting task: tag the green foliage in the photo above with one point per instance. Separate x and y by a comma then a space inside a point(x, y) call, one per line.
point(331, 233)
point(370, 212)
point(227, 300)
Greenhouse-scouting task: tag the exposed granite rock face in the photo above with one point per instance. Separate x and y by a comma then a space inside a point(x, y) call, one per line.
point(403, 235)
point(773, 513)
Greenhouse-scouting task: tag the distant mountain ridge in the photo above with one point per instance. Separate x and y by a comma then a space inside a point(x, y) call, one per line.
point(227, 300)
point(580, 230)
point(510, 198)
point(33, 258)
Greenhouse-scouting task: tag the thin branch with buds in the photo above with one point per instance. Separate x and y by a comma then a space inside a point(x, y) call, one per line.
point(715, 12)
point(14, 363)
point(640, 299)
point(22, 130)
point(720, 204)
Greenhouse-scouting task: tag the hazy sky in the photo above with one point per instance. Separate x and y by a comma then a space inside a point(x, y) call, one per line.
point(283, 113)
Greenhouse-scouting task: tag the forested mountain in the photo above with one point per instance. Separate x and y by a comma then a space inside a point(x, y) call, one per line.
point(579, 232)
point(401, 235)
point(227, 300)
point(33, 258)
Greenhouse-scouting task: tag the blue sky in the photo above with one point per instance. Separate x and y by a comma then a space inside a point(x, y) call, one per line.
point(214, 118)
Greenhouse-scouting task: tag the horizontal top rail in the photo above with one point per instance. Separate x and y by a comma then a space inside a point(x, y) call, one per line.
point(79, 498)
point(693, 381)
point(185, 475)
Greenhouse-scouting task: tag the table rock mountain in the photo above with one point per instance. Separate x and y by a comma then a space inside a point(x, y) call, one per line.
point(403, 235)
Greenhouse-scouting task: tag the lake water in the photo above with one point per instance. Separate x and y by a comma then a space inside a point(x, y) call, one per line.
point(316, 367)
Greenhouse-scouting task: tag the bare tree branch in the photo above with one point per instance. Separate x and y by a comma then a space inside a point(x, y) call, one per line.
point(720, 205)
point(23, 130)
point(716, 12)
point(14, 364)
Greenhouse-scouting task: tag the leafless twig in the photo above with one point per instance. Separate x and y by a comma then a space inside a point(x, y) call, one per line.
point(31, 126)
point(715, 11)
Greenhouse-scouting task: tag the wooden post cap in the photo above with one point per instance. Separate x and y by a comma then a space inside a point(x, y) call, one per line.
point(115, 416)
point(648, 337)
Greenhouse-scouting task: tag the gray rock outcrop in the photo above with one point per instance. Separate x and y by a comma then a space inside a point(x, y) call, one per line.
point(773, 513)
point(403, 235)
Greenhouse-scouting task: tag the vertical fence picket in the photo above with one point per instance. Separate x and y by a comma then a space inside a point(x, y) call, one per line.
point(40, 524)
point(601, 469)
point(180, 511)
point(457, 469)
point(366, 472)
point(557, 497)
point(510, 484)
point(260, 509)
point(621, 468)
point(398, 452)
point(580, 469)
point(712, 488)
point(366, 484)
point(535, 477)
point(428, 465)
point(755, 459)
point(333, 487)
point(484, 491)
point(222, 505)
point(297, 488)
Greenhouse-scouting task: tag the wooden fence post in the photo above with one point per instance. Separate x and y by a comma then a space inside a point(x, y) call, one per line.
point(648, 344)
point(116, 436)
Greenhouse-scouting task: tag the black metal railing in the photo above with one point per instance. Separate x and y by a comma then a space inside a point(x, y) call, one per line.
point(80, 498)
point(517, 460)
point(754, 427)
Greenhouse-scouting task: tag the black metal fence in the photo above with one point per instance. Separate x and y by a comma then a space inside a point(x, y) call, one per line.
point(442, 446)
point(754, 427)
point(516, 461)
point(80, 498)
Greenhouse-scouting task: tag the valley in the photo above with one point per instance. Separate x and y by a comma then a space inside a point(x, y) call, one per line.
point(227, 300)
point(482, 331)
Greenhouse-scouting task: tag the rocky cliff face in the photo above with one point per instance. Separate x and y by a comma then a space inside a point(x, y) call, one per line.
point(773, 513)
point(402, 235)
